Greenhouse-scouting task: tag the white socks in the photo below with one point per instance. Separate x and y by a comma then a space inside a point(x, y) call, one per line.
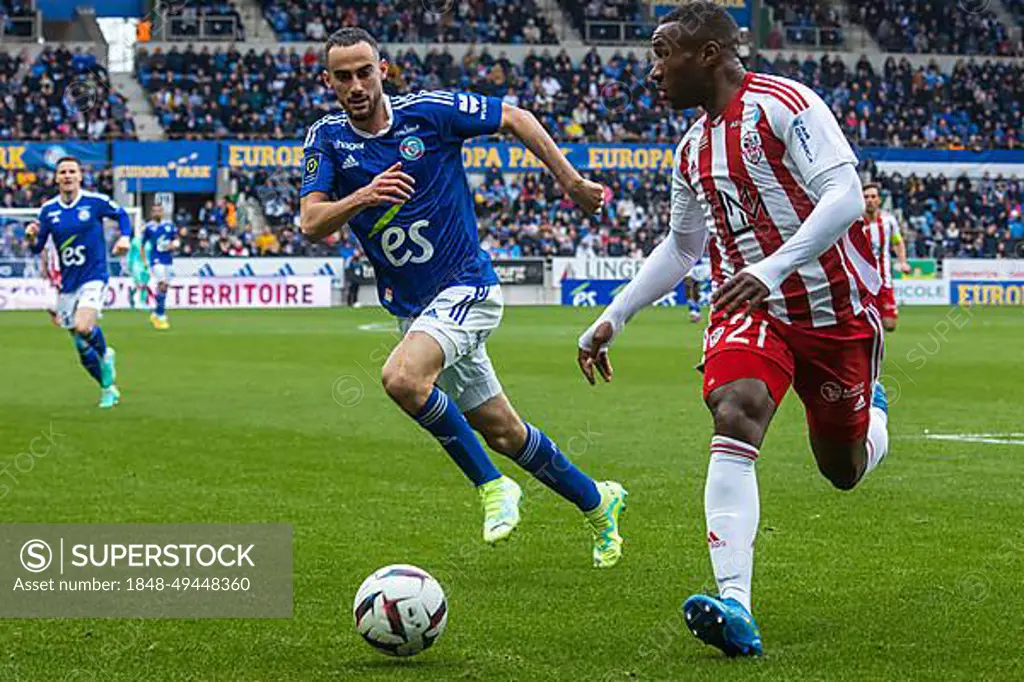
point(878, 438)
point(732, 509)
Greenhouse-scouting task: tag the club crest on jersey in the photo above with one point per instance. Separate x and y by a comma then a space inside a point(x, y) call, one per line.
point(83, 214)
point(412, 148)
point(750, 147)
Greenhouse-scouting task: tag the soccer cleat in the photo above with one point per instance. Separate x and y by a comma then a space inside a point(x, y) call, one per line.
point(109, 397)
point(604, 524)
point(500, 499)
point(724, 624)
point(695, 316)
point(108, 370)
point(162, 322)
point(879, 398)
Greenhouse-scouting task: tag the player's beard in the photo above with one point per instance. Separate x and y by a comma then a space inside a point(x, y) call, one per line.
point(373, 101)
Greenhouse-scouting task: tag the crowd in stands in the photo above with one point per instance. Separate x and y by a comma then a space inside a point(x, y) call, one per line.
point(443, 21)
point(62, 95)
point(211, 19)
point(209, 94)
point(976, 106)
point(946, 217)
point(529, 215)
point(921, 26)
point(805, 22)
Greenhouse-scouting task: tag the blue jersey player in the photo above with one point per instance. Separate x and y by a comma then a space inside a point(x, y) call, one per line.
point(391, 168)
point(160, 237)
point(73, 220)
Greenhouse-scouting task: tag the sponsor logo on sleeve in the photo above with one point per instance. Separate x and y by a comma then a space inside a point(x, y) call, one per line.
point(804, 136)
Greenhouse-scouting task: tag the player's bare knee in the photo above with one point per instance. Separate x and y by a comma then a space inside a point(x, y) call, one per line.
point(83, 328)
point(506, 437)
point(404, 388)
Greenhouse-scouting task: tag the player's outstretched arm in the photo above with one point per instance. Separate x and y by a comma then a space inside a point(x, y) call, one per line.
point(589, 196)
point(840, 203)
point(670, 261)
point(320, 217)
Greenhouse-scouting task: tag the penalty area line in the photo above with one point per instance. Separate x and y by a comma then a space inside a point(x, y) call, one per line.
point(987, 438)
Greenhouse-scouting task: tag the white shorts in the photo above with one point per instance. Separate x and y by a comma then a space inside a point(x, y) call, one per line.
point(701, 272)
point(162, 272)
point(89, 295)
point(460, 319)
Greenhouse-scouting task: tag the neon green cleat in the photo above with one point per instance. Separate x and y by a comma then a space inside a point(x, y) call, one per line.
point(110, 397)
point(108, 370)
point(500, 498)
point(604, 523)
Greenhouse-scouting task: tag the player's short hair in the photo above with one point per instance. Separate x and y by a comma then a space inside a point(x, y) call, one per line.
point(871, 185)
point(64, 159)
point(703, 20)
point(349, 36)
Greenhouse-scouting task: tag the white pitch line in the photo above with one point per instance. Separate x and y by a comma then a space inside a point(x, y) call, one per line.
point(377, 327)
point(989, 438)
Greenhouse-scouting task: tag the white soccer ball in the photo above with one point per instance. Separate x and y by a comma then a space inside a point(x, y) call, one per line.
point(400, 610)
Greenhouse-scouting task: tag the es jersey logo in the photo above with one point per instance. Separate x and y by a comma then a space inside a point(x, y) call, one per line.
point(83, 214)
point(412, 148)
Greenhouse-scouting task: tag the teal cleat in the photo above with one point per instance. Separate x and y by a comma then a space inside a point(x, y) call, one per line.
point(108, 370)
point(109, 397)
point(724, 624)
point(604, 524)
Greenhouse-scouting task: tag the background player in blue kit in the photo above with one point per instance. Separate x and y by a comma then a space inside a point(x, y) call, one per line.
point(74, 221)
point(391, 168)
point(161, 237)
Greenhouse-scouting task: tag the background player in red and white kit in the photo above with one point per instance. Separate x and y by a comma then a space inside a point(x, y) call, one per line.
point(766, 174)
point(883, 233)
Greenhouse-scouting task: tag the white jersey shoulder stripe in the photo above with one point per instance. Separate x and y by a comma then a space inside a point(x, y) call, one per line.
point(329, 119)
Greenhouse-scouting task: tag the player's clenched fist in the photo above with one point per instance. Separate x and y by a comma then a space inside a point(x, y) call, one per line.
point(392, 186)
point(589, 196)
point(31, 232)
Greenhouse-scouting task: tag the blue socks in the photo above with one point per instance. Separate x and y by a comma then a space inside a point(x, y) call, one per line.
point(694, 306)
point(96, 340)
point(161, 301)
point(542, 458)
point(89, 357)
point(442, 418)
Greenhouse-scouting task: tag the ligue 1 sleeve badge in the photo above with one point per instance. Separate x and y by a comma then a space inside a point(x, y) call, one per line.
point(412, 148)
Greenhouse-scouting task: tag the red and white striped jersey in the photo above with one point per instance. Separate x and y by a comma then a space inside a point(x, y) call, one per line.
point(883, 233)
point(750, 171)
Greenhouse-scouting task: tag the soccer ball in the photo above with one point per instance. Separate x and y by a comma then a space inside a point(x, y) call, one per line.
point(400, 610)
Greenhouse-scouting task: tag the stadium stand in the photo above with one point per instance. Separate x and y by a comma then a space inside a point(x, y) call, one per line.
point(14, 16)
point(976, 105)
point(217, 93)
point(924, 26)
point(61, 95)
point(205, 19)
point(445, 21)
point(958, 218)
point(808, 23)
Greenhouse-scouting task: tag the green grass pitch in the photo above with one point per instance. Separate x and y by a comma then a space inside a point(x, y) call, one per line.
point(260, 416)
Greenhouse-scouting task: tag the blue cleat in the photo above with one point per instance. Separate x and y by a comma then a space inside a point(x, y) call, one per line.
point(879, 398)
point(724, 624)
